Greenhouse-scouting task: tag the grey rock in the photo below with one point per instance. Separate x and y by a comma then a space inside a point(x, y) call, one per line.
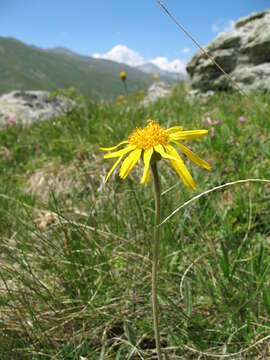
point(243, 53)
point(26, 107)
point(157, 90)
point(25, 96)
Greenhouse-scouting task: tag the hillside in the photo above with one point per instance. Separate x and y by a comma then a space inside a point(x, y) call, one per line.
point(28, 67)
point(76, 253)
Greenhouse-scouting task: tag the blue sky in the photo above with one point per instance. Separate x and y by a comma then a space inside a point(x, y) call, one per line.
point(141, 27)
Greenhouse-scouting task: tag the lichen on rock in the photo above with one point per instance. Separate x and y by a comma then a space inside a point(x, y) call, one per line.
point(243, 53)
point(32, 106)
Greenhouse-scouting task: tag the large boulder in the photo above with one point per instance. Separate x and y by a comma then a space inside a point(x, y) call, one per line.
point(243, 53)
point(157, 90)
point(26, 107)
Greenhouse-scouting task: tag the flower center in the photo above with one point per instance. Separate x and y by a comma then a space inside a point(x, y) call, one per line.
point(152, 134)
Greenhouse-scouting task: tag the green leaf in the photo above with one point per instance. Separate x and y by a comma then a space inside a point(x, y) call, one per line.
point(187, 297)
point(224, 261)
point(260, 259)
point(266, 298)
point(165, 357)
point(224, 349)
point(102, 352)
point(130, 333)
point(236, 261)
point(117, 357)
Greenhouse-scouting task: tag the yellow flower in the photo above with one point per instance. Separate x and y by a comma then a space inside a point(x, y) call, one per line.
point(156, 76)
point(120, 99)
point(153, 143)
point(123, 75)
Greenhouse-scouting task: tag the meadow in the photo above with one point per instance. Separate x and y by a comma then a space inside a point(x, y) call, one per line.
point(75, 263)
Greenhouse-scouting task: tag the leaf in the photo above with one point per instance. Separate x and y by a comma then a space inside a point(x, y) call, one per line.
point(266, 298)
point(187, 298)
point(224, 261)
point(260, 259)
point(165, 356)
point(102, 352)
point(236, 260)
point(118, 355)
point(130, 333)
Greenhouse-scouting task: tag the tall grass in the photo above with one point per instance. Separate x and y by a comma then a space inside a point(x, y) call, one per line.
point(75, 265)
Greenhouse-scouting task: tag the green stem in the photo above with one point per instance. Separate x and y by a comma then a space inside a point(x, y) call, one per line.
point(125, 86)
point(157, 193)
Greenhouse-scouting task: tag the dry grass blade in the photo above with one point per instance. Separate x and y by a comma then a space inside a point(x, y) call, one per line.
point(245, 181)
point(201, 48)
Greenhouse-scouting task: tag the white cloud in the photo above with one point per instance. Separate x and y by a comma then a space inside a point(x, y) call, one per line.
point(186, 50)
point(222, 26)
point(164, 64)
point(123, 54)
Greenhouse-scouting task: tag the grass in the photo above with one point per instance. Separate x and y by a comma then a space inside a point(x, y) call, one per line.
point(75, 274)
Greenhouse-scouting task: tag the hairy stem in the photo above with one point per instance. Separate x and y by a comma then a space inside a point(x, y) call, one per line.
point(157, 192)
point(125, 86)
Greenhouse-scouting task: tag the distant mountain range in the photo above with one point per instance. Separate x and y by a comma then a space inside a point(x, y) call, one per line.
point(150, 68)
point(27, 67)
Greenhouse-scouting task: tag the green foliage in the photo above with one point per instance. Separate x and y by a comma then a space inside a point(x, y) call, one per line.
point(75, 266)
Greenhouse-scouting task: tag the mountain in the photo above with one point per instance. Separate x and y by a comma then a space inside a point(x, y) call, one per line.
point(150, 68)
point(61, 50)
point(27, 67)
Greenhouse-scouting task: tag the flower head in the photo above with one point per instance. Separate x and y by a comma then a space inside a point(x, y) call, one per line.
point(120, 99)
point(152, 143)
point(156, 76)
point(241, 119)
point(210, 122)
point(12, 120)
point(123, 75)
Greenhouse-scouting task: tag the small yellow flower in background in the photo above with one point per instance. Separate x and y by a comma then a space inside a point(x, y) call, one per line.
point(156, 76)
point(152, 143)
point(123, 75)
point(120, 99)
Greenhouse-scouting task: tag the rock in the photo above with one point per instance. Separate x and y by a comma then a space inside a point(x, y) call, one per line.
point(31, 106)
point(243, 53)
point(157, 90)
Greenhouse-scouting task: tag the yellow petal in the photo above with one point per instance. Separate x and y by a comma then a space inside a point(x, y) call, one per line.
point(181, 168)
point(146, 159)
point(113, 167)
point(129, 162)
point(119, 152)
point(159, 149)
point(188, 135)
point(114, 147)
point(147, 177)
point(174, 129)
point(193, 157)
